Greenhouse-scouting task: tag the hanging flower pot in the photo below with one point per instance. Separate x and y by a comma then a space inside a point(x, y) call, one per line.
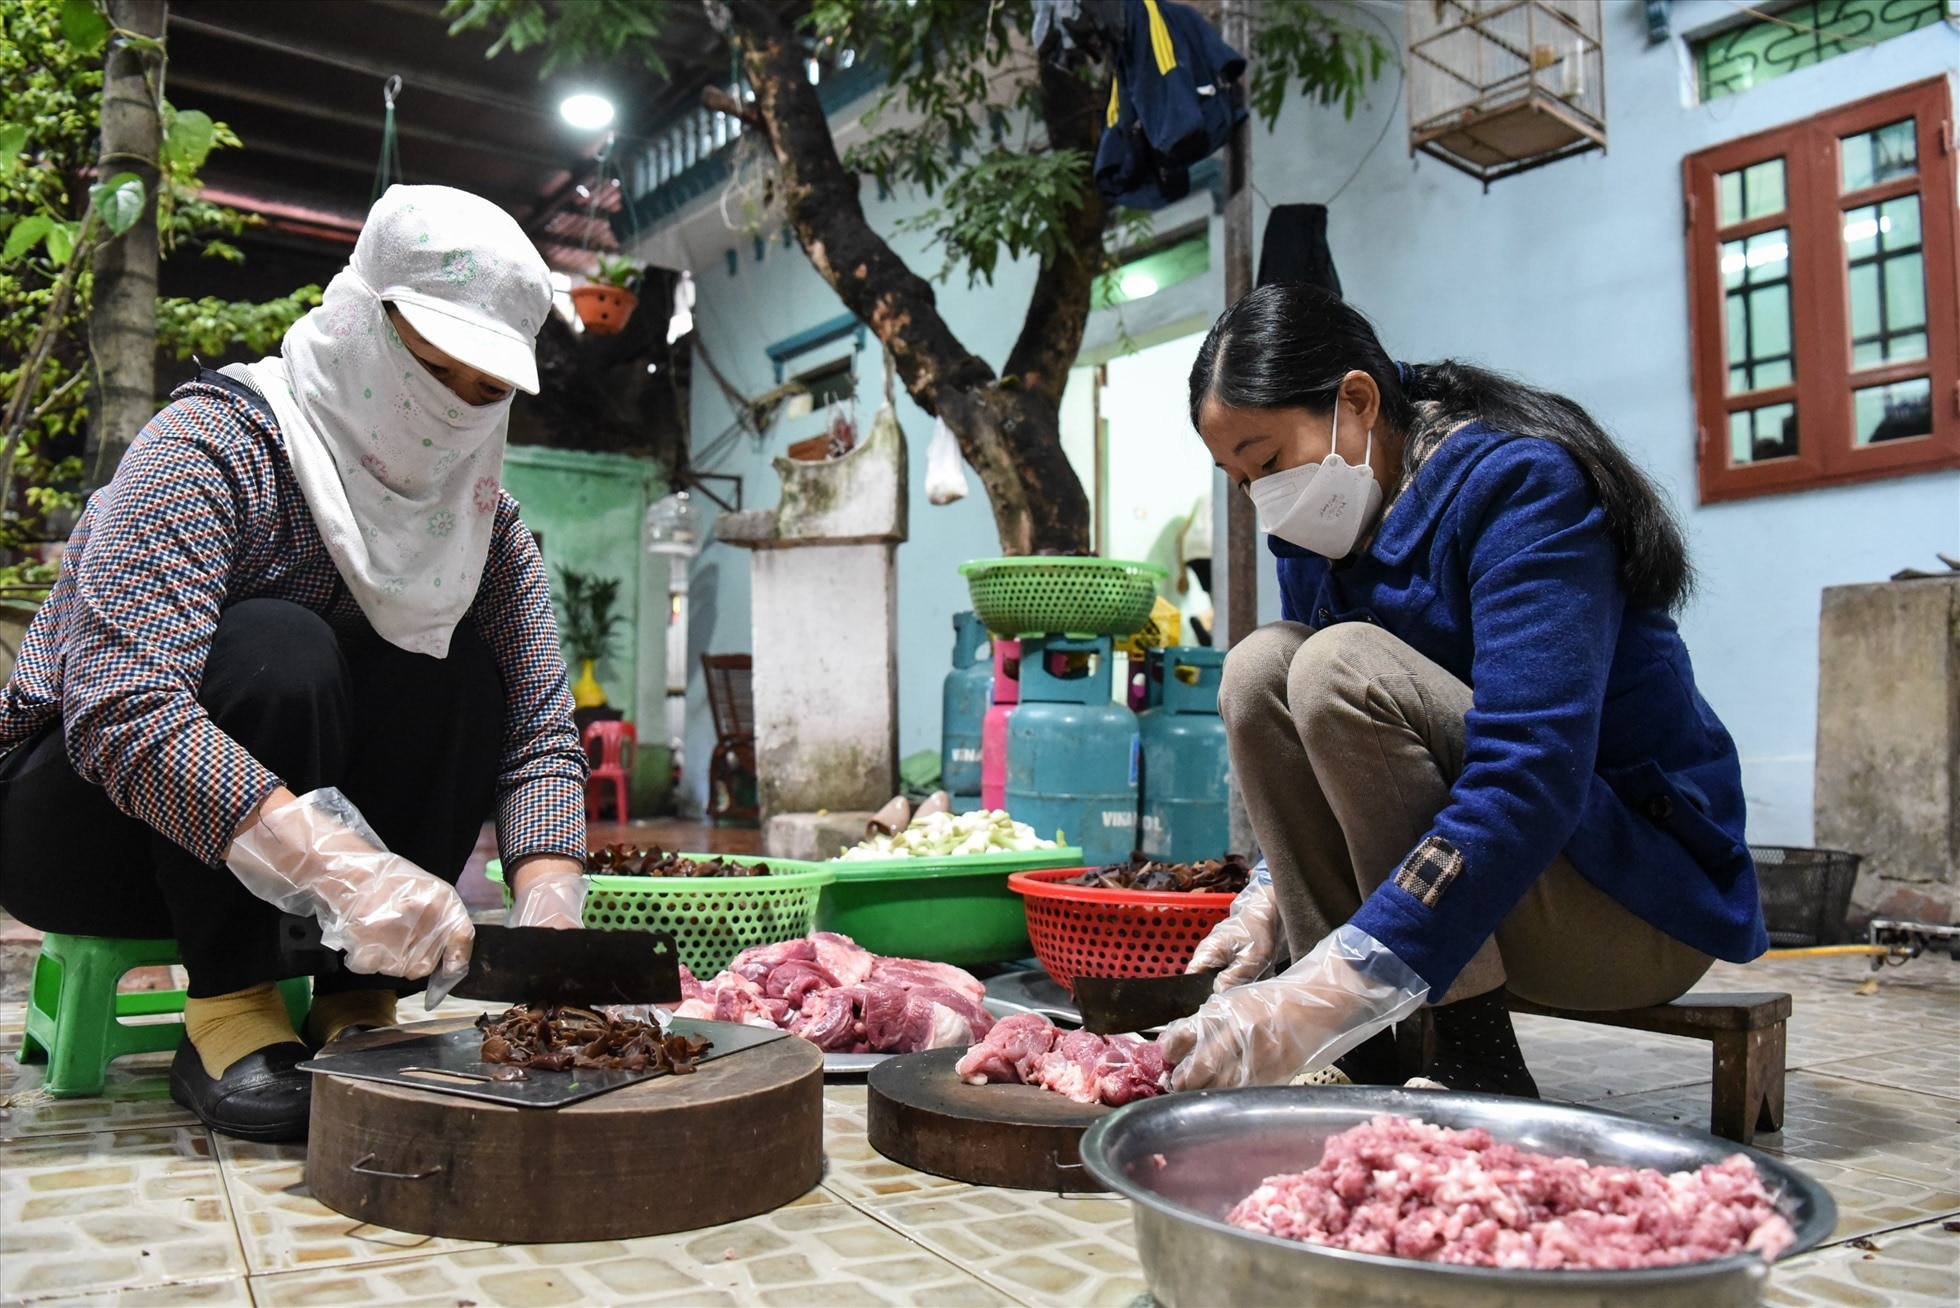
point(603, 309)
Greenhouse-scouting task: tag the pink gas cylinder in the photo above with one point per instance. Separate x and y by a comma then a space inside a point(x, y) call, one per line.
point(993, 732)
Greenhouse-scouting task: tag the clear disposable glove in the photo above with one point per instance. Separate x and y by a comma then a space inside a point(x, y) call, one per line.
point(1266, 1033)
point(317, 856)
point(1244, 943)
point(549, 899)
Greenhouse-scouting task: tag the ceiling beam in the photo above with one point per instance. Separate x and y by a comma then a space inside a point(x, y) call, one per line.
point(425, 81)
point(252, 95)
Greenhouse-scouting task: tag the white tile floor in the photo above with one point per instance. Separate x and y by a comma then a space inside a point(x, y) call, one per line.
point(123, 1199)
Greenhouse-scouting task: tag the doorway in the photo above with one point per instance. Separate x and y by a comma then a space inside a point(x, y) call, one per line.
point(1126, 432)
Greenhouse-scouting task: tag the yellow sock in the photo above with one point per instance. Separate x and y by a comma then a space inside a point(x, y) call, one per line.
point(332, 1014)
point(225, 1028)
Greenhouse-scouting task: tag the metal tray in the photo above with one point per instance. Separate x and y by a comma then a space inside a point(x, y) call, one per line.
point(861, 1064)
point(1032, 991)
point(1187, 1159)
point(446, 1062)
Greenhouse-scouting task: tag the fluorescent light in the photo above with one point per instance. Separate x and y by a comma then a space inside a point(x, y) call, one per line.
point(1136, 285)
point(1733, 264)
point(1866, 228)
point(586, 111)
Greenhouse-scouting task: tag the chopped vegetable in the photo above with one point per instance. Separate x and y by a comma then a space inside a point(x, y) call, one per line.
point(943, 835)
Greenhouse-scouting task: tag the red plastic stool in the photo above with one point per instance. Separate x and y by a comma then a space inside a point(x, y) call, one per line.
point(612, 763)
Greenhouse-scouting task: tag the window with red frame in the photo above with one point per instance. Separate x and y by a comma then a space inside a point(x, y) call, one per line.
point(1826, 299)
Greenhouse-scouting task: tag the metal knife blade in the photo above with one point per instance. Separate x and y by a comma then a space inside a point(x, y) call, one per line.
point(544, 965)
point(1111, 1004)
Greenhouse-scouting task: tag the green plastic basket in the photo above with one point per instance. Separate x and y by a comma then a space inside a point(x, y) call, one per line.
point(947, 910)
point(1062, 596)
point(712, 918)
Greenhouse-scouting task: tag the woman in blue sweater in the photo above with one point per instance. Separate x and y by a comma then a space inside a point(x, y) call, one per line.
point(1473, 751)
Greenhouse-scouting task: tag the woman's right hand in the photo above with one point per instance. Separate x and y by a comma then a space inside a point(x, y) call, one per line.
point(1244, 943)
point(316, 855)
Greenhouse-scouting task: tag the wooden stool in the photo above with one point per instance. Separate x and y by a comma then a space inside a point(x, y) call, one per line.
point(1748, 1034)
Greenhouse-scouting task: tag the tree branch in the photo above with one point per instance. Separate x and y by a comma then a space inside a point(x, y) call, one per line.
point(1059, 309)
point(828, 217)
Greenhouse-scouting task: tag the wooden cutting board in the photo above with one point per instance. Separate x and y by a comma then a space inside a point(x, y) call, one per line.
point(742, 1135)
point(922, 1115)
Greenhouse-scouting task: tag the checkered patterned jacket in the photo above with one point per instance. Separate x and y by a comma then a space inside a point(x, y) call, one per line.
point(205, 512)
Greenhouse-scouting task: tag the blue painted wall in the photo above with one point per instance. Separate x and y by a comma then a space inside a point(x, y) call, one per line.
point(1572, 276)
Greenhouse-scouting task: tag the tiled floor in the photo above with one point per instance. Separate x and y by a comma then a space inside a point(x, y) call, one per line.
point(122, 1199)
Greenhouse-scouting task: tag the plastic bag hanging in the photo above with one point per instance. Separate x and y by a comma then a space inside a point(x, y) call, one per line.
point(945, 466)
point(388, 168)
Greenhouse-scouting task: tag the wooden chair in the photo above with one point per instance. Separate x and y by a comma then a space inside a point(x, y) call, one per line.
point(1748, 1034)
point(731, 772)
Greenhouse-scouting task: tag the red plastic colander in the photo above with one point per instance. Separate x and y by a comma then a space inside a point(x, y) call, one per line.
point(1089, 931)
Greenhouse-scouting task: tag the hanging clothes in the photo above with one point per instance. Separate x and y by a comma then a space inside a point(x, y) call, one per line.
point(1070, 33)
point(1294, 248)
point(1172, 103)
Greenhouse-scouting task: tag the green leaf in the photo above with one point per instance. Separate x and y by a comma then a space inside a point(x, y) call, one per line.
point(188, 139)
point(25, 233)
point(61, 241)
point(119, 200)
point(13, 139)
point(84, 26)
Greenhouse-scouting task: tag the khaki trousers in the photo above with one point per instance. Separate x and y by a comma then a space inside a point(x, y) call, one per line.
point(1346, 742)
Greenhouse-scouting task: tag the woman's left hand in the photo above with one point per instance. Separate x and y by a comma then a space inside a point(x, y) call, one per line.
point(547, 892)
point(1265, 1033)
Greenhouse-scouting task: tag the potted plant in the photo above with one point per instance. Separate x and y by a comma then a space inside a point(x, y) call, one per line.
point(587, 604)
point(608, 297)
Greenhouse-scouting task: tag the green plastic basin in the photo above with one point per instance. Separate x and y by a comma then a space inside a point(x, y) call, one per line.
point(947, 910)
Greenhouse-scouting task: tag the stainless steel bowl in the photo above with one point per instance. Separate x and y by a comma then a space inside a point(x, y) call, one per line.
point(1186, 1160)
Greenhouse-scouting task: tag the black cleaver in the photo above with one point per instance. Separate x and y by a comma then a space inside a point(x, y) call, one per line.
point(1112, 1004)
point(544, 965)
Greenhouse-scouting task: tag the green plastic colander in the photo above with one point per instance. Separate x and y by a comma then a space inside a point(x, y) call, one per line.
point(1062, 596)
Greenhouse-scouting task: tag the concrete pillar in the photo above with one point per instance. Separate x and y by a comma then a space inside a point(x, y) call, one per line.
point(823, 602)
point(1888, 742)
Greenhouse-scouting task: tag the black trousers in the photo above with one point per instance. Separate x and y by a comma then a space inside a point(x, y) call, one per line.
point(413, 741)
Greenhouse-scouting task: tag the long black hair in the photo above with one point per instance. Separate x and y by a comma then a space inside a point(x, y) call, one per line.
point(1287, 346)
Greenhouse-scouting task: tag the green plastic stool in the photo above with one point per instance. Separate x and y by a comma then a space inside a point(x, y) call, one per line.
point(73, 1007)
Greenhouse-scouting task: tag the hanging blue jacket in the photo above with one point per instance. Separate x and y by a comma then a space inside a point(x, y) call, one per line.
point(1586, 733)
point(1171, 103)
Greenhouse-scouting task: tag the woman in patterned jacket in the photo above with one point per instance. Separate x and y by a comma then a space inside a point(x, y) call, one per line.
point(300, 648)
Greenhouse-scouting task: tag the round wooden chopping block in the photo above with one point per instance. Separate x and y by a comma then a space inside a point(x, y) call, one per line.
point(742, 1135)
point(922, 1115)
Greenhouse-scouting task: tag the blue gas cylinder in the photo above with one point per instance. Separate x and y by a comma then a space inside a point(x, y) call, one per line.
point(1184, 763)
point(964, 701)
point(1069, 749)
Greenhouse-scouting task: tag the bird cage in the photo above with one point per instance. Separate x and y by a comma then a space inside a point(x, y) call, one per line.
point(673, 526)
point(1500, 86)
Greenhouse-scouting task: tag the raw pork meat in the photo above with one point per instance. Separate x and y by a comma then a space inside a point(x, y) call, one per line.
point(1028, 1049)
point(1411, 1190)
point(842, 998)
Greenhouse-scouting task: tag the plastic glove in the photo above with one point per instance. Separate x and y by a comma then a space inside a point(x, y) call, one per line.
point(1348, 988)
point(317, 856)
point(1243, 944)
point(549, 899)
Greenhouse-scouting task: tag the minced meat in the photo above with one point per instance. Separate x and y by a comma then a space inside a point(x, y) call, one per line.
point(1412, 1190)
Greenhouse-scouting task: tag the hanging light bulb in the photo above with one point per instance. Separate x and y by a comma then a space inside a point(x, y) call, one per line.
point(586, 111)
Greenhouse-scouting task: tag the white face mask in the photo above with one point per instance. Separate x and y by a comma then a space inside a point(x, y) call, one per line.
point(1323, 507)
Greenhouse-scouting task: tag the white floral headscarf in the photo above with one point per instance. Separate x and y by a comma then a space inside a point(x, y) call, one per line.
point(400, 474)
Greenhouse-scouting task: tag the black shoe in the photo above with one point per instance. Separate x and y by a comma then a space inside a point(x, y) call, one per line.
point(263, 1096)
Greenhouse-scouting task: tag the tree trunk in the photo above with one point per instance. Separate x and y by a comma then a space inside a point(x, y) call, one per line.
point(1009, 428)
point(123, 311)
